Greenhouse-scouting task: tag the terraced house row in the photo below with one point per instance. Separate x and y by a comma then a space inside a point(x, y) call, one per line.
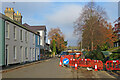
point(18, 44)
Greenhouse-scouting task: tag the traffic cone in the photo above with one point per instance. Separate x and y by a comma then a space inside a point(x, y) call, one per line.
point(60, 63)
point(75, 66)
point(96, 67)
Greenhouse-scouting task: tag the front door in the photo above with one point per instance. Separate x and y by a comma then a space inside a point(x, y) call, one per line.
point(6, 55)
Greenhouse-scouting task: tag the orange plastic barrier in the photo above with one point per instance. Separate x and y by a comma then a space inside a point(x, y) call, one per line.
point(72, 62)
point(113, 65)
point(99, 64)
point(84, 62)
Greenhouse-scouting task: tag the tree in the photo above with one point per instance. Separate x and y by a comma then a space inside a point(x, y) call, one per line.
point(94, 27)
point(57, 35)
point(54, 48)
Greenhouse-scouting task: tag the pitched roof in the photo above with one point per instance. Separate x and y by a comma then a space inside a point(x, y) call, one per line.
point(39, 27)
point(16, 23)
point(35, 28)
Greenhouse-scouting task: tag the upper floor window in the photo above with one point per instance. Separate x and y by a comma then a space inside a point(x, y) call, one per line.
point(26, 36)
point(38, 40)
point(14, 33)
point(7, 30)
point(21, 35)
point(33, 39)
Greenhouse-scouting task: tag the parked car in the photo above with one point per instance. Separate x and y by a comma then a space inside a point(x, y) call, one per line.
point(63, 53)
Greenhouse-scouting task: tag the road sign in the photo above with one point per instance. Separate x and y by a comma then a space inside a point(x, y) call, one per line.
point(65, 61)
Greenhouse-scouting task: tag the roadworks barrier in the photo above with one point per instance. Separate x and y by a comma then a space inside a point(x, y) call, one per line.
point(112, 65)
point(88, 63)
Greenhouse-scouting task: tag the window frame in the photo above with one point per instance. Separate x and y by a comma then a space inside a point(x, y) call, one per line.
point(15, 32)
point(21, 34)
point(15, 52)
point(7, 30)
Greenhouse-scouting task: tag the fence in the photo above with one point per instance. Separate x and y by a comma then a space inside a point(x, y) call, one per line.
point(113, 65)
point(84, 63)
point(95, 64)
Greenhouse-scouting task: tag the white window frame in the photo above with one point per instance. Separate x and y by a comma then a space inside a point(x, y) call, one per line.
point(15, 52)
point(7, 29)
point(38, 40)
point(33, 52)
point(21, 34)
point(33, 38)
point(26, 52)
point(26, 36)
point(14, 32)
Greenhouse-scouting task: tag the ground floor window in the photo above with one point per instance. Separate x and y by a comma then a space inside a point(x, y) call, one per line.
point(14, 52)
point(26, 52)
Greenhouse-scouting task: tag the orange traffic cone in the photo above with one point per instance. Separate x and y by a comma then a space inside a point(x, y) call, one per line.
point(96, 67)
point(75, 66)
point(60, 63)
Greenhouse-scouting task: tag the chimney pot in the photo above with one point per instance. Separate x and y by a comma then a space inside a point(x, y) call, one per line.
point(6, 8)
point(17, 12)
point(14, 13)
point(9, 9)
point(12, 9)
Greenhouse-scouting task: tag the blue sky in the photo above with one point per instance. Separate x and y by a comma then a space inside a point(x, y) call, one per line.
point(58, 14)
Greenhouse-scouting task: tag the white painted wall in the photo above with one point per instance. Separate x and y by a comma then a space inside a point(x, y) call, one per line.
point(42, 39)
point(11, 42)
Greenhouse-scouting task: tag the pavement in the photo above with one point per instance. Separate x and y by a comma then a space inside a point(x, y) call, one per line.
point(51, 69)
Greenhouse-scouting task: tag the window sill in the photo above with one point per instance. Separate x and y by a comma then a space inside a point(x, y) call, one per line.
point(15, 39)
point(8, 38)
point(15, 59)
point(21, 40)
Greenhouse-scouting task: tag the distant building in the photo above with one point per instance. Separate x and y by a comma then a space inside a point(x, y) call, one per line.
point(116, 29)
point(42, 30)
point(18, 44)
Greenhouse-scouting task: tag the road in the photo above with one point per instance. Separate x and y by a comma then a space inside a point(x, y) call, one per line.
point(51, 69)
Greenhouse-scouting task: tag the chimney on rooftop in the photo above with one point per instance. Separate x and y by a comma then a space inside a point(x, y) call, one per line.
point(11, 14)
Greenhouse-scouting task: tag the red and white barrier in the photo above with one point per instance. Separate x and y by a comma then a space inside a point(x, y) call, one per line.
point(76, 66)
point(96, 69)
point(113, 65)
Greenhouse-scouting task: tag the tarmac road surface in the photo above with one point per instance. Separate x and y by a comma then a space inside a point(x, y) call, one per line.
point(51, 69)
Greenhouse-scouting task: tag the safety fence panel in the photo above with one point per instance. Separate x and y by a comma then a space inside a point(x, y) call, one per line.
point(68, 56)
point(99, 64)
point(64, 57)
point(113, 65)
point(84, 63)
point(73, 62)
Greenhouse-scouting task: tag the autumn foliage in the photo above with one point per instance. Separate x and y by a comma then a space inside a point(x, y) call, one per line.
point(57, 35)
point(93, 25)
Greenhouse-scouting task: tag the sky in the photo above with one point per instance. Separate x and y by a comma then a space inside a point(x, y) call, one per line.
point(60, 14)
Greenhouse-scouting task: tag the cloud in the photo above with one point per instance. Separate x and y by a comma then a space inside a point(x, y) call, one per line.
point(64, 16)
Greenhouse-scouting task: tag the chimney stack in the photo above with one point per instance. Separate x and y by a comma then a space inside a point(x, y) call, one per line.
point(18, 17)
point(11, 14)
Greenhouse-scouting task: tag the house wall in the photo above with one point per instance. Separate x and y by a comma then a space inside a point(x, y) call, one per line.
point(2, 42)
point(11, 42)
